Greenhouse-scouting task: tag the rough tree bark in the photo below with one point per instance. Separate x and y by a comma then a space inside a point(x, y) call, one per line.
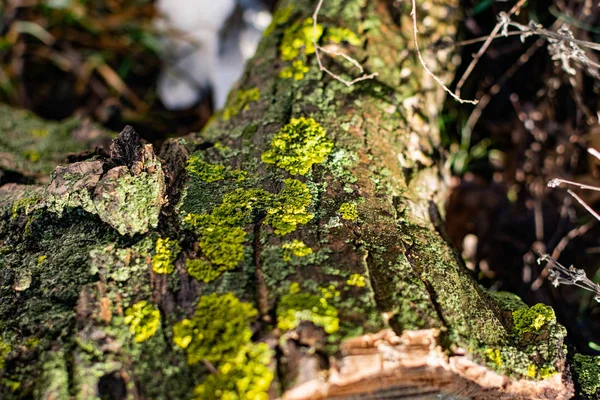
point(295, 248)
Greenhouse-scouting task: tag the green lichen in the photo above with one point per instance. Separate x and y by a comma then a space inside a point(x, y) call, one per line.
point(348, 211)
point(54, 380)
point(289, 208)
point(297, 70)
point(129, 200)
point(218, 329)
point(245, 377)
point(508, 301)
point(298, 36)
point(587, 369)
point(5, 348)
point(298, 145)
point(357, 280)
point(295, 248)
point(295, 307)
point(166, 253)
point(143, 320)
point(241, 102)
point(341, 34)
point(532, 319)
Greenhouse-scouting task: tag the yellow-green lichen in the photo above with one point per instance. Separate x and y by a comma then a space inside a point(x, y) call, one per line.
point(531, 320)
point(166, 253)
point(203, 270)
point(348, 211)
point(298, 145)
point(547, 372)
point(223, 245)
point(41, 259)
point(218, 329)
point(5, 348)
point(295, 248)
point(241, 102)
point(219, 333)
point(24, 205)
point(340, 34)
point(295, 307)
point(280, 17)
point(297, 70)
point(587, 369)
point(494, 356)
point(213, 172)
point(143, 320)
point(222, 234)
point(357, 280)
point(289, 208)
point(245, 377)
point(298, 36)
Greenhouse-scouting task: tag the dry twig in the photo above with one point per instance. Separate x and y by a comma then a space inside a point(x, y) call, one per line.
point(336, 53)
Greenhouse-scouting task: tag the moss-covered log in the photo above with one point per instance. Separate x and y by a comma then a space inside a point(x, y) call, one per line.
point(293, 249)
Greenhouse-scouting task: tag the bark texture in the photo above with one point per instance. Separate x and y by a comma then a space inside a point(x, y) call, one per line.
point(292, 249)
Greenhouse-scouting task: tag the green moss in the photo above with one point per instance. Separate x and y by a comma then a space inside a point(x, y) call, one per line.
point(297, 70)
point(241, 102)
point(340, 34)
point(298, 36)
point(143, 320)
point(212, 172)
point(298, 145)
point(289, 208)
point(245, 377)
point(218, 329)
point(357, 280)
point(296, 307)
point(295, 248)
point(166, 253)
point(533, 319)
point(587, 369)
point(5, 348)
point(348, 211)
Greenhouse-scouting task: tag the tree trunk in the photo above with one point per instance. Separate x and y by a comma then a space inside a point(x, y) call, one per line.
point(293, 249)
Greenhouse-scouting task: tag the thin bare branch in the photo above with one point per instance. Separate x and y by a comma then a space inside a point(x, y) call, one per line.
point(584, 204)
point(318, 49)
point(413, 14)
point(515, 10)
point(557, 181)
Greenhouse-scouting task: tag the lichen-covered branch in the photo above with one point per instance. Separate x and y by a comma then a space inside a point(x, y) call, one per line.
point(269, 255)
